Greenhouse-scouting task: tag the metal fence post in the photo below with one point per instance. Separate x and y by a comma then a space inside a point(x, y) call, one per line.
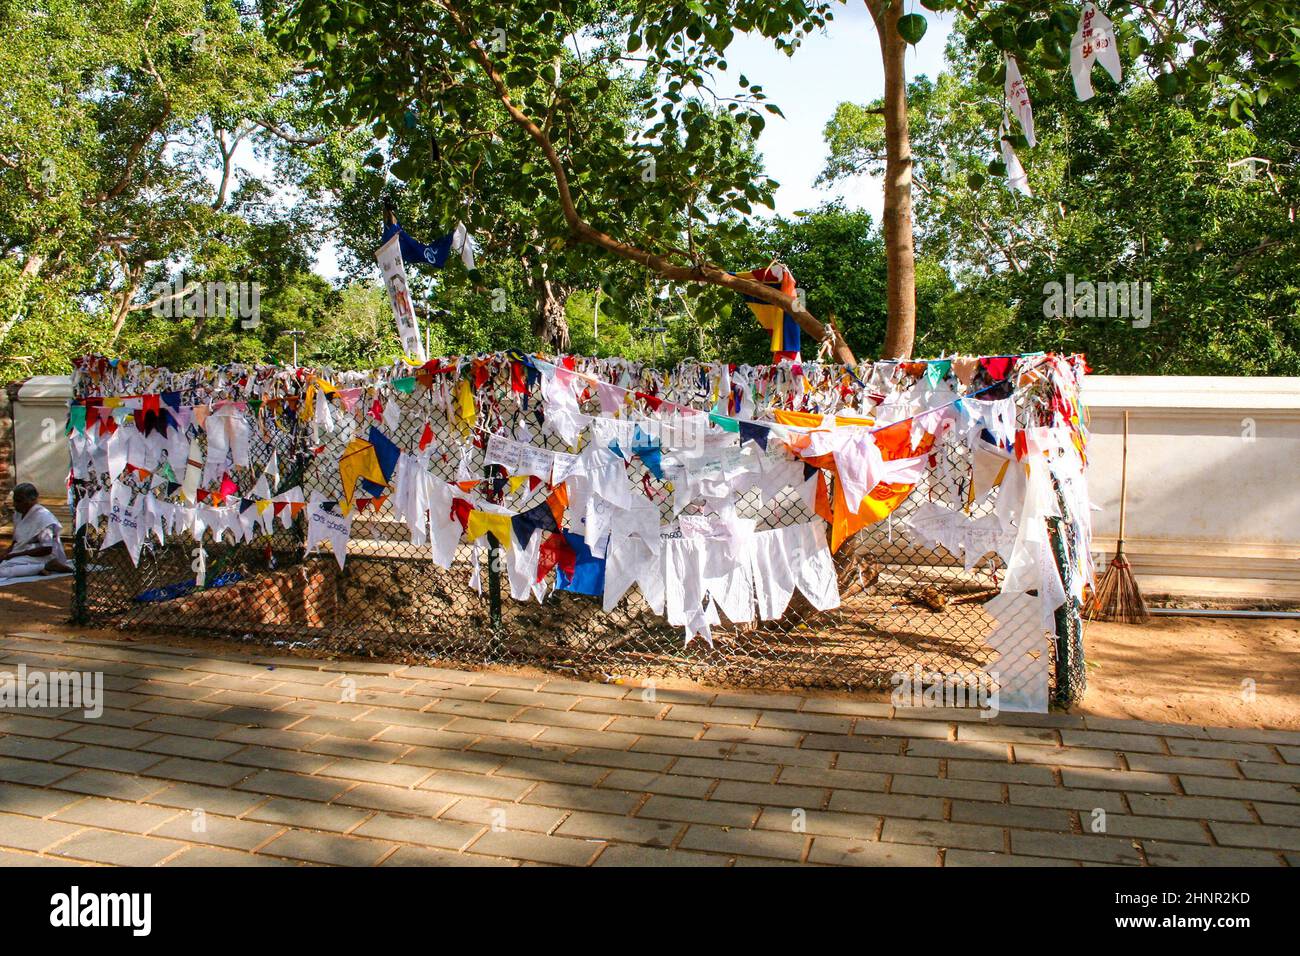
point(79, 611)
point(494, 597)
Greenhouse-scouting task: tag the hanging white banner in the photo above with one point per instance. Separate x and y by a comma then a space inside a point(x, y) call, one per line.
point(1094, 41)
point(1018, 100)
point(389, 258)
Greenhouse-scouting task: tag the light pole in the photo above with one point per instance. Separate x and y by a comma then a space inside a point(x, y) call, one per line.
point(295, 334)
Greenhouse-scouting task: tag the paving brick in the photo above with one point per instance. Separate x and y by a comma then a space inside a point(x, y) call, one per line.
point(848, 744)
point(108, 758)
point(105, 783)
point(34, 748)
point(468, 761)
point(656, 728)
point(978, 858)
point(1067, 757)
point(833, 851)
point(307, 815)
point(564, 718)
point(219, 831)
point(838, 779)
point(498, 814)
point(699, 811)
point(627, 708)
point(118, 849)
point(1066, 799)
point(887, 804)
point(445, 834)
point(619, 829)
point(1279, 814)
point(811, 723)
point(368, 771)
point(475, 785)
point(272, 758)
point(962, 789)
point(28, 833)
point(1126, 726)
point(961, 750)
point(937, 833)
point(582, 798)
point(724, 769)
point(740, 716)
point(854, 826)
point(1159, 853)
point(661, 783)
point(1011, 815)
point(194, 796)
point(1000, 733)
point(1092, 778)
point(1001, 772)
point(294, 785)
point(617, 854)
point(1189, 808)
point(781, 756)
point(115, 815)
point(1101, 740)
point(1227, 750)
point(1160, 828)
point(890, 763)
point(621, 759)
point(328, 848)
point(427, 803)
point(439, 739)
point(903, 728)
point(771, 794)
point(1280, 772)
point(580, 737)
point(552, 771)
point(764, 736)
point(424, 856)
point(1256, 835)
point(848, 708)
point(760, 701)
point(1101, 849)
point(199, 771)
point(378, 751)
point(1197, 766)
point(1257, 790)
point(521, 845)
point(483, 710)
point(556, 688)
point(206, 856)
point(761, 843)
point(34, 802)
point(681, 747)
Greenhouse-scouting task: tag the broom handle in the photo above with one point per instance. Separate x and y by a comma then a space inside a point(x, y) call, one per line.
point(1123, 485)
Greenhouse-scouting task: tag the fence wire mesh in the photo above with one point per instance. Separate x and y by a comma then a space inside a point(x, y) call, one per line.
point(904, 605)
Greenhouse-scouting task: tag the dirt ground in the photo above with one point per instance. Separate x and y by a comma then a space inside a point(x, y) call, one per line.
point(1220, 672)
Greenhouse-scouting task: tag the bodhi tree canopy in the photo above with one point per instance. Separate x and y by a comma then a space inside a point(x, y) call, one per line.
point(482, 77)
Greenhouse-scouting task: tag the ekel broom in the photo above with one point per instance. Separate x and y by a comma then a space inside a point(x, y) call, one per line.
point(1117, 597)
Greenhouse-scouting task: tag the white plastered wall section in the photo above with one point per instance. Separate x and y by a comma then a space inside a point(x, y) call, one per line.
point(1213, 483)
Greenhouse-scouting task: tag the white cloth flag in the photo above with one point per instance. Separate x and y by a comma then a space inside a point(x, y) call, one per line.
point(1016, 177)
point(1017, 96)
point(393, 269)
point(1094, 41)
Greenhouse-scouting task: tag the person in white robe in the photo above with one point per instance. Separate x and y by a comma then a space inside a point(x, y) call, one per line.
point(36, 547)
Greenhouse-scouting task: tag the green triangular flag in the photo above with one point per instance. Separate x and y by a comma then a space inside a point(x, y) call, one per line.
point(406, 384)
point(725, 423)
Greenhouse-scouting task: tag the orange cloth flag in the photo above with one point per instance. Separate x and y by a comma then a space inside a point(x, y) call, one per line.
point(358, 461)
point(894, 442)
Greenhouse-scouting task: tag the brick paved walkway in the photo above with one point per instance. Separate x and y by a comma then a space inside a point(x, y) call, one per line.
point(201, 758)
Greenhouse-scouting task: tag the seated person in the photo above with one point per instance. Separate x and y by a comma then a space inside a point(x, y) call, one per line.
point(36, 547)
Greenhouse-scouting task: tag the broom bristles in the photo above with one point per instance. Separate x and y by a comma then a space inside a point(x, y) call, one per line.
point(1117, 597)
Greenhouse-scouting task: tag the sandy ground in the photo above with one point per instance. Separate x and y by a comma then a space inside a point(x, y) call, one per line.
point(1211, 672)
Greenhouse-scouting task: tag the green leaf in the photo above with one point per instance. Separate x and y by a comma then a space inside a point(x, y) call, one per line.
point(911, 27)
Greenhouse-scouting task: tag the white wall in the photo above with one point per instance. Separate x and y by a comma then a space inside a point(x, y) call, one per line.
point(40, 446)
point(1213, 489)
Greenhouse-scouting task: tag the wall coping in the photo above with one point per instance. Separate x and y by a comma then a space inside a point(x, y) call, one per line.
point(1192, 392)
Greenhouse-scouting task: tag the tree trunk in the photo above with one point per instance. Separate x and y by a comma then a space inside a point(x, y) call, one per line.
point(550, 323)
point(900, 330)
point(122, 308)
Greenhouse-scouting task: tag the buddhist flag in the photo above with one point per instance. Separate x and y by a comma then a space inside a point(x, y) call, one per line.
point(784, 330)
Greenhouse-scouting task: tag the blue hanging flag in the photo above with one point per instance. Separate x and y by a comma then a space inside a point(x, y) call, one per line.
point(415, 252)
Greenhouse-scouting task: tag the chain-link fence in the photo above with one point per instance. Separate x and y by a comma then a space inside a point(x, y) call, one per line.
point(903, 604)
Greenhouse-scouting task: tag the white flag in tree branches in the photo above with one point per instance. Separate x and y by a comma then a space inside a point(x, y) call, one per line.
point(1016, 177)
point(1017, 97)
point(1094, 41)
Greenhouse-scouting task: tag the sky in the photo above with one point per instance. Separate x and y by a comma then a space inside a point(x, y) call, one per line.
point(841, 63)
